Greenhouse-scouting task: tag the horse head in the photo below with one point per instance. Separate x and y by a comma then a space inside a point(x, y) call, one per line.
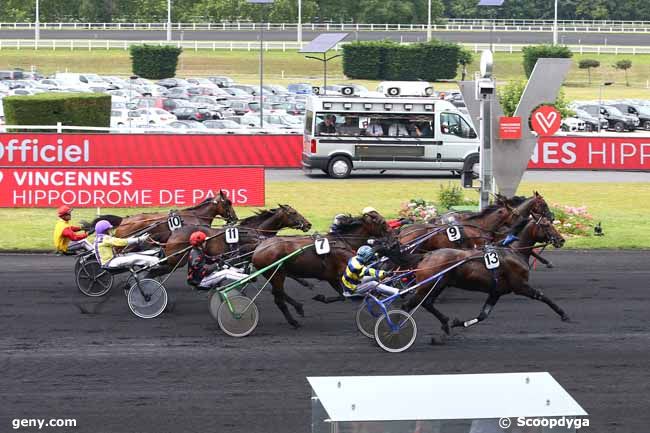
point(292, 218)
point(224, 207)
point(374, 224)
point(544, 231)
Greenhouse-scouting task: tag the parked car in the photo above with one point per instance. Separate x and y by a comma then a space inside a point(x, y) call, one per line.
point(224, 125)
point(187, 125)
point(222, 81)
point(592, 122)
point(170, 104)
point(198, 114)
point(244, 107)
point(251, 90)
point(300, 89)
point(573, 124)
point(156, 116)
point(616, 120)
point(237, 93)
point(173, 82)
point(641, 112)
point(127, 118)
point(294, 108)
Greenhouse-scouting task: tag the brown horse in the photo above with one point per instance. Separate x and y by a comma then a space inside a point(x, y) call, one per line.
point(252, 231)
point(471, 273)
point(155, 223)
point(351, 234)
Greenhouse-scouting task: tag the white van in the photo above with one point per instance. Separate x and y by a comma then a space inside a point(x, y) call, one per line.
point(347, 133)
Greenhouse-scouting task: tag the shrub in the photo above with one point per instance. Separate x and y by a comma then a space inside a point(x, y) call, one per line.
point(534, 52)
point(154, 62)
point(573, 221)
point(588, 64)
point(624, 65)
point(418, 211)
point(450, 195)
point(510, 94)
point(386, 60)
point(72, 109)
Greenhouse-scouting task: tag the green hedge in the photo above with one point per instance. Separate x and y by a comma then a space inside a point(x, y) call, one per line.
point(72, 109)
point(534, 52)
point(387, 60)
point(153, 61)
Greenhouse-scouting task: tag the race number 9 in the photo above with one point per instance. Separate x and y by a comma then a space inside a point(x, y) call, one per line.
point(232, 235)
point(174, 222)
point(322, 246)
point(491, 260)
point(453, 233)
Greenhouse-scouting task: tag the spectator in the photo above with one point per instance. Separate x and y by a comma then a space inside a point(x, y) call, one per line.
point(423, 130)
point(328, 126)
point(375, 129)
point(398, 129)
point(350, 127)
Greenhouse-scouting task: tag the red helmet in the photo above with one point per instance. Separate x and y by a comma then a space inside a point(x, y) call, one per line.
point(197, 238)
point(63, 210)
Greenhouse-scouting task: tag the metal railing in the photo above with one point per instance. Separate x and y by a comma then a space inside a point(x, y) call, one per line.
point(443, 25)
point(95, 44)
point(60, 128)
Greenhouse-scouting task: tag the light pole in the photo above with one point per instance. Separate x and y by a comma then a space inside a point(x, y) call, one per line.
point(429, 23)
point(169, 20)
point(37, 25)
point(493, 4)
point(600, 100)
point(299, 24)
point(555, 25)
point(262, 2)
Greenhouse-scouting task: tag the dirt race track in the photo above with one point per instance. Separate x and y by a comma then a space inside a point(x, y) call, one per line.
point(116, 373)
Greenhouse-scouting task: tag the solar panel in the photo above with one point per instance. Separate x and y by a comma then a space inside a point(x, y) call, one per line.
point(323, 43)
point(490, 2)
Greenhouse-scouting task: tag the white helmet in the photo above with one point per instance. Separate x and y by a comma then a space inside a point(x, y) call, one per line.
point(368, 209)
point(337, 218)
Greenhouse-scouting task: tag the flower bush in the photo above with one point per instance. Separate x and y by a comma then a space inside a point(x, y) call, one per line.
point(418, 210)
point(574, 221)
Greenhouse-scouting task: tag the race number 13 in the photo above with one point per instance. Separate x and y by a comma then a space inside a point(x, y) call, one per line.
point(491, 260)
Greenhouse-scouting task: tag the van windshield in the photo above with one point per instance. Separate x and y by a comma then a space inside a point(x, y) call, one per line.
point(375, 124)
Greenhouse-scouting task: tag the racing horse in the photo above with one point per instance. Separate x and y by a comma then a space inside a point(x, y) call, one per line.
point(352, 232)
point(475, 229)
point(252, 230)
point(467, 270)
point(156, 222)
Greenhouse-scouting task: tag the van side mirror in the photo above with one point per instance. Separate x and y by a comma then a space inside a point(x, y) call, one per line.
point(467, 179)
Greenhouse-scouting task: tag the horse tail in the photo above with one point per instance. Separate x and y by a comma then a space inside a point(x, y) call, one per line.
point(89, 227)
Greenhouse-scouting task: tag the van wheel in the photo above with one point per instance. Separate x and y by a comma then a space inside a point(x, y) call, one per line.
point(646, 125)
point(339, 167)
point(619, 127)
point(588, 127)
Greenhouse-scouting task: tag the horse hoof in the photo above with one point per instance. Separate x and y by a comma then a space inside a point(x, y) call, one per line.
point(319, 298)
point(295, 324)
point(446, 329)
point(566, 318)
point(550, 265)
point(438, 341)
point(300, 310)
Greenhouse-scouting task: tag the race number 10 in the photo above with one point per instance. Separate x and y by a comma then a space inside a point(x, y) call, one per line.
point(174, 222)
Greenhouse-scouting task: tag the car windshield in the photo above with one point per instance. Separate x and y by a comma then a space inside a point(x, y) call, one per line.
point(613, 110)
point(643, 109)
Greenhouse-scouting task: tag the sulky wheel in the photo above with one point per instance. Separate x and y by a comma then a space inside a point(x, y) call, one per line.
point(367, 316)
point(242, 320)
point(147, 299)
point(214, 302)
point(92, 280)
point(398, 334)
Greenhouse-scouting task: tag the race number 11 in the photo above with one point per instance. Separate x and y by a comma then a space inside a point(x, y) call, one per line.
point(322, 246)
point(232, 235)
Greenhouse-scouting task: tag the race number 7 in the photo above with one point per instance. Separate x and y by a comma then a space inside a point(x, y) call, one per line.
point(322, 246)
point(232, 235)
point(491, 260)
point(174, 222)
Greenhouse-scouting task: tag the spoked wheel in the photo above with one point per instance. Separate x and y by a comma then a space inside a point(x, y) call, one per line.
point(242, 320)
point(398, 337)
point(214, 302)
point(148, 300)
point(92, 280)
point(367, 316)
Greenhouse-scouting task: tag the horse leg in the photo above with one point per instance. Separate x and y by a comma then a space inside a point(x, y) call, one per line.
point(295, 304)
point(537, 295)
point(280, 297)
point(303, 283)
point(485, 312)
point(444, 320)
point(542, 260)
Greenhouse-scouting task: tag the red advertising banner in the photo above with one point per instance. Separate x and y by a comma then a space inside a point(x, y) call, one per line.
point(148, 150)
point(137, 187)
point(592, 153)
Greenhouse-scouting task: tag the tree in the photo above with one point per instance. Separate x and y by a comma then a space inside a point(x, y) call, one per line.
point(624, 65)
point(588, 64)
point(465, 58)
point(510, 95)
point(534, 52)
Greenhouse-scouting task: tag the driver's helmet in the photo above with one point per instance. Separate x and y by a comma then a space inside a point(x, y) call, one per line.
point(365, 254)
point(368, 209)
point(197, 238)
point(337, 219)
point(102, 227)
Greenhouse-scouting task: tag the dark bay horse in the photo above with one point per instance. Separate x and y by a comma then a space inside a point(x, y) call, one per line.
point(510, 277)
point(201, 214)
point(351, 234)
point(252, 231)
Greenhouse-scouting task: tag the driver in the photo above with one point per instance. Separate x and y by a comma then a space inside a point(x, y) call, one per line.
point(359, 267)
point(67, 239)
point(105, 245)
point(204, 271)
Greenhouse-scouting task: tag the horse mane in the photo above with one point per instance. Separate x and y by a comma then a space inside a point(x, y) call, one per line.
point(347, 223)
point(517, 200)
point(200, 205)
point(259, 216)
point(488, 210)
